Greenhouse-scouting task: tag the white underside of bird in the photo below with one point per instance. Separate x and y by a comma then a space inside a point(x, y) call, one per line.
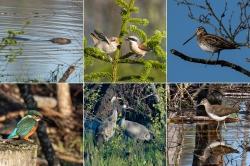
point(105, 47)
point(135, 48)
point(206, 48)
point(217, 118)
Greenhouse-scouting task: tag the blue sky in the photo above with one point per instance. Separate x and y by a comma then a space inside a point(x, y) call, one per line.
point(180, 28)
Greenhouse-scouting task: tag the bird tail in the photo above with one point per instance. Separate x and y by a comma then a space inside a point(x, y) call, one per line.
point(95, 38)
point(13, 134)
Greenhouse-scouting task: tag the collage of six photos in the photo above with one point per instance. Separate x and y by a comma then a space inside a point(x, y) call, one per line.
point(124, 82)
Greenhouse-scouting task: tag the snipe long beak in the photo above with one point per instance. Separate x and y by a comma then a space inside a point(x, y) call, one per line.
point(189, 39)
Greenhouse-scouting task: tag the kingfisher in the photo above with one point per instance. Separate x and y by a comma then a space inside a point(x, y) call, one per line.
point(26, 126)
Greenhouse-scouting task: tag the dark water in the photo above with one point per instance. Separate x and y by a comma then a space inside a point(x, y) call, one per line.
point(41, 58)
point(235, 135)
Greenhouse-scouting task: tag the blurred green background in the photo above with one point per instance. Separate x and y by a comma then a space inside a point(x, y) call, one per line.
point(105, 16)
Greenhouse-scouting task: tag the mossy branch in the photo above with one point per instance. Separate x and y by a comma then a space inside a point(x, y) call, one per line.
point(131, 24)
point(135, 78)
point(146, 71)
point(96, 53)
point(142, 35)
point(98, 75)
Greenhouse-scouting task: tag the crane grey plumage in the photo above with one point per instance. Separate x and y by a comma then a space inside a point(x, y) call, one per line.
point(135, 130)
point(107, 129)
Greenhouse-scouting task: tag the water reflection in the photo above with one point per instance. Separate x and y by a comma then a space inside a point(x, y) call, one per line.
point(204, 145)
point(41, 59)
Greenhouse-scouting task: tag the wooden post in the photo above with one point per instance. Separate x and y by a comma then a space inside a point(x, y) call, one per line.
point(18, 153)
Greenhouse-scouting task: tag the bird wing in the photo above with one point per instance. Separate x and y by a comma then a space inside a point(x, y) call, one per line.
point(144, 47)
point(219, 42)
point(136, 130)
point(25, 126)
point(223, 149)
point(223, 111)
point(95, 38)
point(102, 36)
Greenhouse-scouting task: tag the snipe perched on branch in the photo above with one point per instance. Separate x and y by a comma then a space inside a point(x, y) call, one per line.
point(211, 43)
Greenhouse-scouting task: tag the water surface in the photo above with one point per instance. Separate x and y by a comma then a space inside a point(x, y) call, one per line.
point(42, 60)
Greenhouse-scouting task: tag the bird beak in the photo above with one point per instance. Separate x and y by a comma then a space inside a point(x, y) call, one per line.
point(127, 39)
point(189, 39)
point(130, 108)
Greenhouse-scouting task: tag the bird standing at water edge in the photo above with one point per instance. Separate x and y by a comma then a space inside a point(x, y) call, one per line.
point(218, 112)
point(26, 126)
point(136, 47)
point(211, 43)
point(105, 44)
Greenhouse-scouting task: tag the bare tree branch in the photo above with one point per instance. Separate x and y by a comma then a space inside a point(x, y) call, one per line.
point(210, 62)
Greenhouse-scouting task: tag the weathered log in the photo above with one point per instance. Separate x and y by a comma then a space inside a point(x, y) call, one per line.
point(193, 119)
point(45, 102)
point(18, 153)
point(64, 99)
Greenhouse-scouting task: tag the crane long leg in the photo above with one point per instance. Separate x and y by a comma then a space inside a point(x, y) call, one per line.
point(218, 56)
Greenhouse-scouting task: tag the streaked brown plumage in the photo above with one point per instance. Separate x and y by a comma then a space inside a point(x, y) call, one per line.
point(211, 43)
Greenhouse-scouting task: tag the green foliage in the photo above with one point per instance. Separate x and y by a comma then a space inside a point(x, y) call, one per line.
point(10, 43)
point(121, 150)
point(142, 35)
point(146, 71)
point(97, 76)
point(129, 25)
point(92, 96)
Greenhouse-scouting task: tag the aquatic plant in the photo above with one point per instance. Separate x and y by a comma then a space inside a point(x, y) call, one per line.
point(129, 24)
point(10, 44)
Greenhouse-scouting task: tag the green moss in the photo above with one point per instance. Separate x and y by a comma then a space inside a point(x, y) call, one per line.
point(135, 25)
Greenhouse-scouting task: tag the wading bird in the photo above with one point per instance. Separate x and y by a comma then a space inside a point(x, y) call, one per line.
point(217, 112)
point(215, 149)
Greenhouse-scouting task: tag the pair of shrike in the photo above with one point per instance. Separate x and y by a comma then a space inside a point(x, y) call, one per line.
point(110, 45)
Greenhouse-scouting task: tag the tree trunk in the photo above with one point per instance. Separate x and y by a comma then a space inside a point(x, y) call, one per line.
point(64, 99)
point(18, 153)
